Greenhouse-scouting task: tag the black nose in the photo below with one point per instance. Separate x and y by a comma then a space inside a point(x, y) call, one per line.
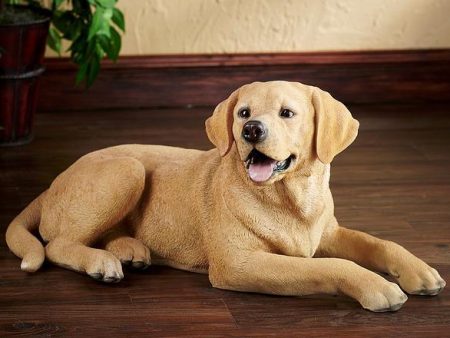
point(254, 131)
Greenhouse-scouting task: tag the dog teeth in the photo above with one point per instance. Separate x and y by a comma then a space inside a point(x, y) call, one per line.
point(248, 162)
point(280, 165)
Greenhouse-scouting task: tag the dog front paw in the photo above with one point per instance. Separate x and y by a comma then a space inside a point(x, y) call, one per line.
point(382, 296)
point(420, 279)
point(104, 267)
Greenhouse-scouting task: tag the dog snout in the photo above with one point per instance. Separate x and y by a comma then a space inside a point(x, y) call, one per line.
point(254, 131)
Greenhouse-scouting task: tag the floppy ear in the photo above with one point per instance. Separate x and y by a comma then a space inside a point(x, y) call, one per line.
point(335, 127)
point(219, 125)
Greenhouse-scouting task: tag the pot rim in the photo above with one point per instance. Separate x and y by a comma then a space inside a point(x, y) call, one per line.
point(23, 76)
point(41, 10)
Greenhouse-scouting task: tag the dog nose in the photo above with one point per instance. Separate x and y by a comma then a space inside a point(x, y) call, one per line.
point(254, 131)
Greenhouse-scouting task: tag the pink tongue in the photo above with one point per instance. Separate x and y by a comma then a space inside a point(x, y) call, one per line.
point(260, 172)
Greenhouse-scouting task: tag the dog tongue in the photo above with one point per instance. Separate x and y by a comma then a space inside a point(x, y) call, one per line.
point(260, 172)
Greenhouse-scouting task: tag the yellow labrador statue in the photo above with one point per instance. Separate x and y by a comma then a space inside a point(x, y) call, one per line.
point(256, 213)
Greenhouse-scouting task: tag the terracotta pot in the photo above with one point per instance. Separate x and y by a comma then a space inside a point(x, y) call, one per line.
point(22, 48)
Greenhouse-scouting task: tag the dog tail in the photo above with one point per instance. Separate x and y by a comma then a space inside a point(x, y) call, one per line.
point(22, 242)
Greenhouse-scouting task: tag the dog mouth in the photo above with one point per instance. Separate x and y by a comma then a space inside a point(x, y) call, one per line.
point(261, 167)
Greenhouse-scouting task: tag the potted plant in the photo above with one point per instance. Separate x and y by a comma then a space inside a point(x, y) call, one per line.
point(92, 29)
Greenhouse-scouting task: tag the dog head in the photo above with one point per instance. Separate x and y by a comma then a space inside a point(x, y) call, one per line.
point(279, 126)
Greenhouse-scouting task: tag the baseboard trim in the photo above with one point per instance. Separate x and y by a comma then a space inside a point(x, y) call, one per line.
point(204, 80)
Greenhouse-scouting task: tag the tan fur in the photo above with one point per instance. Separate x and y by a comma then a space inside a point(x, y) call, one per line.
point(199, 211)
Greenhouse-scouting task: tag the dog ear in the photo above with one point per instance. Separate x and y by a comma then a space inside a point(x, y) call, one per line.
point(219, 125)
point(335, 128)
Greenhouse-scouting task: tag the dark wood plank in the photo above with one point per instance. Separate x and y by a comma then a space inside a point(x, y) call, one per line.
point(199, 80)
point(393, 182)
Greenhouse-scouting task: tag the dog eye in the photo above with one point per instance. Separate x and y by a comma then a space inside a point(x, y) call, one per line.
point(286, 113)
point(244, 113)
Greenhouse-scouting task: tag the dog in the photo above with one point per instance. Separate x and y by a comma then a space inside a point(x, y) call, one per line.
point(255, 213)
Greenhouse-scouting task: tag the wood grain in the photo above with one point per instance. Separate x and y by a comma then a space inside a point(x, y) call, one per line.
point(393, 182)
point(202, 80)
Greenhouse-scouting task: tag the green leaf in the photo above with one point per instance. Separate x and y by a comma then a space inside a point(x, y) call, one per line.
point(82, 8)
point(77, 45)
point(116, 42)
point(100, 23)
point(107, 14)
point(105, 45)
point(96, 23)
point(66, 23)
point(111, 46)
point(76, 29)
point(105, 3)
point(81, 74)
point(56, 4)
point(54, 40)
point(57, 20)
point(93, 27)
point(93, 69)
point(118, 19)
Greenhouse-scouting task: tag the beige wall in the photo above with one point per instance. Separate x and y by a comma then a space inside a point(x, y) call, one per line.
point(239, 26)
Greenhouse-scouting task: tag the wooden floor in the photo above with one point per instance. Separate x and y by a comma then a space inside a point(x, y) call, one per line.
point(393, 182)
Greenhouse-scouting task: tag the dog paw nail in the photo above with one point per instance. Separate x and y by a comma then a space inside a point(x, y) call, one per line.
point(138, 265)
point(427, 292)
point(395, 307)
point(97, 276)
point(434, 291)
point(112, 279)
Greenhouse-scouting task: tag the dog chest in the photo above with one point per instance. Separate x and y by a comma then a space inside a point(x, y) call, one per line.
point(284, 230)
point(288, 219)
point(294, 238)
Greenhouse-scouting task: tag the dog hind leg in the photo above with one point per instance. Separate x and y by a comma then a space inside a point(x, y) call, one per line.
point(84, 204)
